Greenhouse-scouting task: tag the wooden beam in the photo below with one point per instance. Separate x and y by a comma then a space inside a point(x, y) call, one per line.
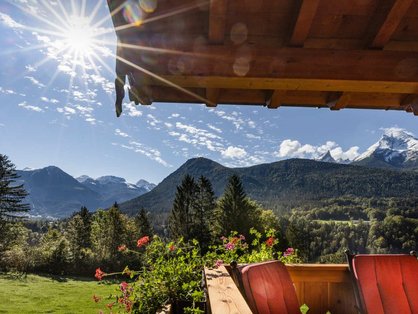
point(339, 101)
point(217, 21)
point(224, 295)
point(276, 99)
point(391, 23)
point(212, 94)
point(409, 100)
point(267, 83)
point(303, 22)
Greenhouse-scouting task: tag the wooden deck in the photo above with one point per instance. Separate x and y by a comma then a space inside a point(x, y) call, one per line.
point(323, 287)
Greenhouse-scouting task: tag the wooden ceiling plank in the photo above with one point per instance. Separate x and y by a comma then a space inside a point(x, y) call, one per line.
point(212, 94)
point(391, 23)
point(276, 99)
point(303, 22)
point(217, 21)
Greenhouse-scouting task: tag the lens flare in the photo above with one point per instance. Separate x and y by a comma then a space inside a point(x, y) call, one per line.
point(148, 6)
point(132, 13)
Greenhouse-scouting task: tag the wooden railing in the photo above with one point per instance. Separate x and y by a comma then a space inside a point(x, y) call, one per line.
point(323, 288)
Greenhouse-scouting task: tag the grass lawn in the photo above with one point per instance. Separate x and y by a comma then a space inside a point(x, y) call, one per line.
point(39, 294)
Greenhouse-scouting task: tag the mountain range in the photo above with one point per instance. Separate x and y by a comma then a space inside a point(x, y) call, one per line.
point(279, 185)
point(396, 149)
point(283, 184)
point(55, 193)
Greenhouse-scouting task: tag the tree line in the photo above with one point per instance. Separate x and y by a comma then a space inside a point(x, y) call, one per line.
point(80, 243)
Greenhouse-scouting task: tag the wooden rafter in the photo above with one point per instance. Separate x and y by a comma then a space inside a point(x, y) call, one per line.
point(339, 101)
point(391, 23)
point(276, 99)
point(303, 22)
point(212, 94)
point(217, 21)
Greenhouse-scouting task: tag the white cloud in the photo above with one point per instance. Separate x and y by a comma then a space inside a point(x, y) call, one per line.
point(66, 69)
point(252, 136)
point(30, 68)
point(234, 152)
point(293, 148)
point(30, 107)
point(9, 22)
point(2, 125)
point(212, 127)
point(151, 153)
point(49, 100)
point(35, 81)
point(120, 133)
point(7, 91)
point(132, 110)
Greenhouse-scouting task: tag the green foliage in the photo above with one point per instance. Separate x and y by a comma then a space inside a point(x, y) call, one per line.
point(236, 212)
point(12, 195)
point(143, 224)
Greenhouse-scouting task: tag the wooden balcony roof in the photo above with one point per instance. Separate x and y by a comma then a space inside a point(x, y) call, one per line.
point(302, 53)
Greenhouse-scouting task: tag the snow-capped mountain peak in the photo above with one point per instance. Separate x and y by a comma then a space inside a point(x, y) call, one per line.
point(396, 147)
point(327, 157)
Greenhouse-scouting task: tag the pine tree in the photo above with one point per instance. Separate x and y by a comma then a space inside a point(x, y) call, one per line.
point(203, 212)
point(236, 212)
point(11, 194)
point(143, 224)
point(181, 216)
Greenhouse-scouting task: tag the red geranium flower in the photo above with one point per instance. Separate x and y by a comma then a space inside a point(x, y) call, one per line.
point(143, 241)
point(123, 286)
point(270, 242)
point(172, 247)
point(99, 274)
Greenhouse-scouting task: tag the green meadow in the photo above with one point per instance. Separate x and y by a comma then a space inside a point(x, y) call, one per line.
point(51, 294)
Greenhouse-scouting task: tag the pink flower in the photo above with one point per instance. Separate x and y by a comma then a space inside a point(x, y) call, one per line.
point(289, 251)
point(218, 263)
point(143, 241)
point(99, 274)
point(241, 237)
point(223, 239)
point(270, 242)
point(229, 246)
point(123, 286)
point(122, 248)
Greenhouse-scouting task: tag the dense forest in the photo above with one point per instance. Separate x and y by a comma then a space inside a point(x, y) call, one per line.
point(320, 231)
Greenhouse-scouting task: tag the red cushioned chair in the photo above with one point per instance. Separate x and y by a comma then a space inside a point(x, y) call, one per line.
point(268, 288)
point(385, 283)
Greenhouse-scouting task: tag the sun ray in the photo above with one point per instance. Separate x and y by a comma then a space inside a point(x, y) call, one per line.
point(93, 13)
point(107, 17)
point(163, 16)
point(165, 81)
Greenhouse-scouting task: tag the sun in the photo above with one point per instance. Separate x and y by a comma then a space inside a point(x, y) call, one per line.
point(79, 36)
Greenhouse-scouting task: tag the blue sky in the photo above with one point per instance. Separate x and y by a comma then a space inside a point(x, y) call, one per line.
point(57, 108)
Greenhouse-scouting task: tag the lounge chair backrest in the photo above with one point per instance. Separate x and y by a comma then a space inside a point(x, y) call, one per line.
point(386, 283)
point(269, 289)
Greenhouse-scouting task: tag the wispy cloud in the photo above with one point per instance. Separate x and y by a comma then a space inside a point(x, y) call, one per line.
point(151, 153)
point(9, 22)
point(132, 110)
point(293, 148)
point(30, 107)
point(35, 81)
point(7, 91)
point(49, 100)
point(120, 133)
